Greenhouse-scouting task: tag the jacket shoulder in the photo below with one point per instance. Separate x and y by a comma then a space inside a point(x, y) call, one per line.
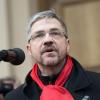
point(16, 94)
point(94, 75)
point(95, 78)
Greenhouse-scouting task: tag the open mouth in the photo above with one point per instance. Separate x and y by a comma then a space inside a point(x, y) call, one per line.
point(48, 50)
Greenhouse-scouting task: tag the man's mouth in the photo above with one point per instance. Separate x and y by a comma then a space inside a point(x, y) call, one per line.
point(48, 50)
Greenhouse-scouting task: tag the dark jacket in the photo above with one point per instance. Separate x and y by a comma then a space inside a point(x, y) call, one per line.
point(83, 85)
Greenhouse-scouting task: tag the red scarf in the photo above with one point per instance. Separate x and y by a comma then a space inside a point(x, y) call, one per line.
point(55, 92)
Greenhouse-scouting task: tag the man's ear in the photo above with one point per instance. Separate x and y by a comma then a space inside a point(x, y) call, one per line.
point(68, 45)
point(28, 46)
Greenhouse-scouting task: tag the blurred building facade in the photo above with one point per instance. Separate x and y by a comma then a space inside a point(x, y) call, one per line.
point(82, 20)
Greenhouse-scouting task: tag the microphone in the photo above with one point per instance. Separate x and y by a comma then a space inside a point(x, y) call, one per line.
point(15, 56)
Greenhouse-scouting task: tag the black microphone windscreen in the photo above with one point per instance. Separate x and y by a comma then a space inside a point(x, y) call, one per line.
point(20, 56)
point(15, 56)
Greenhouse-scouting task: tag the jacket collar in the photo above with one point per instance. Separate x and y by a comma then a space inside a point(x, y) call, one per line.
point(79, 78)
point(30, 86)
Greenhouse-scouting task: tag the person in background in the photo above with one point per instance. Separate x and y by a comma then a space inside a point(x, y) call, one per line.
point(55, 75)
point(6, 85)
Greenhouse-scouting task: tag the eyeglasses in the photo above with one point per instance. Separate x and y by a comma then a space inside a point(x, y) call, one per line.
point(56, 34)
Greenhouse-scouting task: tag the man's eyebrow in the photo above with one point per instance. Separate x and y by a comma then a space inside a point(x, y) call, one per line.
point(54, 29)
point(37, 32)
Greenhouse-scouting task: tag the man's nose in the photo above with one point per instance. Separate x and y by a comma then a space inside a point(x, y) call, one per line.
point(48, 40)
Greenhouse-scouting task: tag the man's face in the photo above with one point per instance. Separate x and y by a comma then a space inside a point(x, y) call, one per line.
point(48, 45)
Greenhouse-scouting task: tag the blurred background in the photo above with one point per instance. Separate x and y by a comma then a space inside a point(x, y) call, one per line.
point(82, 18)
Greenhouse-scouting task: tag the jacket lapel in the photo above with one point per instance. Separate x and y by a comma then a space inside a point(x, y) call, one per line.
point(78, 81)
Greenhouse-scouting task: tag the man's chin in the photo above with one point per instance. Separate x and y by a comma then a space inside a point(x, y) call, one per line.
point(50, 61)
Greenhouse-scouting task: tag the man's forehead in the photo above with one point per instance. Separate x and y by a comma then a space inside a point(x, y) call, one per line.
point(46, 23)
